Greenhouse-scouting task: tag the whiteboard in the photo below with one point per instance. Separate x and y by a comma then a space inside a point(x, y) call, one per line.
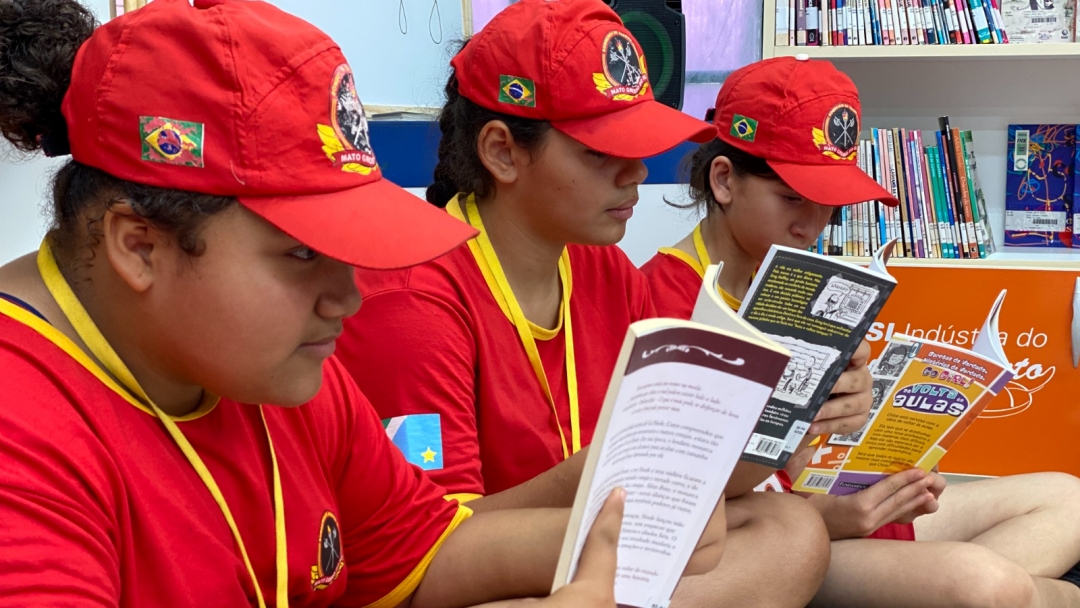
point(400, 50)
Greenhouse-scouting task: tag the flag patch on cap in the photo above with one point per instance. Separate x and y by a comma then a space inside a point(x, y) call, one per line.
point(744, 128)
point(419, 437)
point(171, 141)
point(517, 91)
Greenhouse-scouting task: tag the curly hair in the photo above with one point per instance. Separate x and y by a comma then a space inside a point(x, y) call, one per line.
point(38, 43)
point(459, 168)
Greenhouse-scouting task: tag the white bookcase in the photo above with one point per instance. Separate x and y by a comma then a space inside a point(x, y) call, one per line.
point(983, 88)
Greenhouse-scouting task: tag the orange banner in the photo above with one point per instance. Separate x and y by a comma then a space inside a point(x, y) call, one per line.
point(1033, 425)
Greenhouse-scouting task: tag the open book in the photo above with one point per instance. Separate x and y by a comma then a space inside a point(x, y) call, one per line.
point(926, 394)
point(683, 399)
point(820, 309)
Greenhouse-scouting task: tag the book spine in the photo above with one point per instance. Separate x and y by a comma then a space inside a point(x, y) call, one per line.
point(954, 22)
point(923, 213)
point(969, 161)
point(792, 25)
point(973, 170)
point(999, 22)
point(920, 26)
point(960, 163)
point(867, 34)
point(962, 199)
point(913, 27)
point(955, 234)
point(875, 23)
point(813, 23)
point(800, 22)
point(939, 202)
point(931, 198)
point(978, 19)
point(905, 228)
point(965, 22)
point(834, 29)
point(918, 234)
point(901, 21)
point(781, 30)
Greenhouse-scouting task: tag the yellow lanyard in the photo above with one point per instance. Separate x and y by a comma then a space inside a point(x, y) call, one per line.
point(100, 348)
point(700, 263)
point(484, 253)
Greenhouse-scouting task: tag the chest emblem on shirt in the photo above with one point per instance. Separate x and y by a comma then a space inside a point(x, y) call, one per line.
point(330, 560)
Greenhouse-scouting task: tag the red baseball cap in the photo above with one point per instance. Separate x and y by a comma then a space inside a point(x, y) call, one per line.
point(802, 116)
point(573, 63)
point(237, 98)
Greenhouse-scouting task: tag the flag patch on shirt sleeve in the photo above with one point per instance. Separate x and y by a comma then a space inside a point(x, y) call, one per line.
point(419, 437)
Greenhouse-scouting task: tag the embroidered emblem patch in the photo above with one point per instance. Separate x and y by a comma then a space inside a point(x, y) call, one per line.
point(625, 76)
point(345, 141)
point(517, 91)
point(330, 561)
point(839, 136)
point(744, 128)
point(170, 141)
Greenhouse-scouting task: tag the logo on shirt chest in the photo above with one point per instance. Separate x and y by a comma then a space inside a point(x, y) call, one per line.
point(330, 559)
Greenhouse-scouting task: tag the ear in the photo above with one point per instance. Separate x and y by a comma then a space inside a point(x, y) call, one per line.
point(498, 152)
point(721, 173)
point(132, 246)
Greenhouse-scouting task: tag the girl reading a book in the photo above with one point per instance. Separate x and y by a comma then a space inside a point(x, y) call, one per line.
point(200, 264)
point(509, 342)
point(784, 158)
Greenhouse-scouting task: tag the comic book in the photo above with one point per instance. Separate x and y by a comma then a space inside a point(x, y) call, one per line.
point(819, 308)
point(926, 394)
point(1039, 185)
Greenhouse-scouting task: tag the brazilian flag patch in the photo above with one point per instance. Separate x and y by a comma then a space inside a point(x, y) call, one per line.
point(744, 128)
point(517, 91)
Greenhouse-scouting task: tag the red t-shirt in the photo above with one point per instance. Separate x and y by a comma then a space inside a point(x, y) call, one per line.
point(101, 508)
point(432, 339)
point(675, 286)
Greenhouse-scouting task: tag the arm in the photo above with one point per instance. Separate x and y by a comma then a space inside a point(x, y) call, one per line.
point(411, 352)
point(554, 488)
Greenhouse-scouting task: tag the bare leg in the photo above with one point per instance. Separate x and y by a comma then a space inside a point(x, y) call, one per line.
point(776, 554)
point(1033, 520)
point(999, 542)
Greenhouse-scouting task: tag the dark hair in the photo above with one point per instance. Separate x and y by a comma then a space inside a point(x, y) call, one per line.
point(38, 42)
point(697, 166)
point(459, 169)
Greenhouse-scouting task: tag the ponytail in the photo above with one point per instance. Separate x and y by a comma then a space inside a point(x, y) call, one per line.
point(459, 169)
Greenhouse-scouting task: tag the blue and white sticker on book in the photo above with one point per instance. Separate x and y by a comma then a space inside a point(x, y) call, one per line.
point(419, 437)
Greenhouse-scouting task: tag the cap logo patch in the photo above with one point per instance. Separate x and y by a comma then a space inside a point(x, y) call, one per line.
point(744, 128)
point(625, 77)
point(330, 559)
point(517, 91)
point(839, 136)
point(345, 141)
point(171, 141)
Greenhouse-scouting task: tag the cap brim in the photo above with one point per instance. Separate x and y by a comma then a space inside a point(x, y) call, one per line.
point(833, 185)
point(378, 225)
point(639, 131)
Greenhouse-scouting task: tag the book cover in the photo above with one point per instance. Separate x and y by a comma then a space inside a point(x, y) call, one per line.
point(682, 400)
point(926, 394)
point(1038, 21)
point(1076, 195)
point(1039, 185)
point(819, 309)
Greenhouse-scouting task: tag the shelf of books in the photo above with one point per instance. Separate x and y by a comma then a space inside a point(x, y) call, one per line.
point(943, 214)
point(930, 52)
point(920, 29)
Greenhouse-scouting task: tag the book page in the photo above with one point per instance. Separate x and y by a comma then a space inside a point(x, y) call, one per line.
point(820, 310)
point(672, 435)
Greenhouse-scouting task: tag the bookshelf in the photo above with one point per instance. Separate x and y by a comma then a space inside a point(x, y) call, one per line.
point(982, 88)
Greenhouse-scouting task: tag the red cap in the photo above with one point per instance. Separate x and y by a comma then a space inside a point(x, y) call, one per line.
point(802, 117)
point(573, 63)
point(236, 98)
